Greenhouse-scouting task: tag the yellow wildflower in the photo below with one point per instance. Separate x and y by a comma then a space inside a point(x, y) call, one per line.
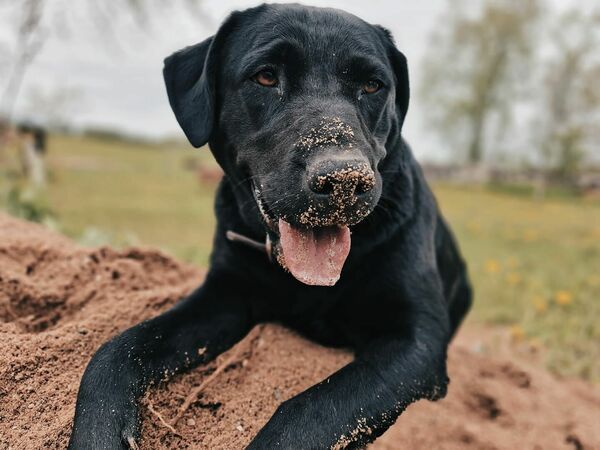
point(563, 298)
point(492, 266)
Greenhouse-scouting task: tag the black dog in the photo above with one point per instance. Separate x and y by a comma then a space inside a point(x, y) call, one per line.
point(303, 108)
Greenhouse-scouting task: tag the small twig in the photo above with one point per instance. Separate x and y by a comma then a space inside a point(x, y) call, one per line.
point(233, 358)
point(162, 420)
point(11, 311)
point(261, 246)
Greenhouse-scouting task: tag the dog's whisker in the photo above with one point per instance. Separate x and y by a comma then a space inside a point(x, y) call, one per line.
point(245, 180)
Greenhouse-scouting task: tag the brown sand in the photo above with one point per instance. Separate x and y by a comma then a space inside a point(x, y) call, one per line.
point(58, 303)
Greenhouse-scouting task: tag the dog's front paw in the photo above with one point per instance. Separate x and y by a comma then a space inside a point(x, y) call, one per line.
point(100, 428)
point(84, 438)
point(293, 425)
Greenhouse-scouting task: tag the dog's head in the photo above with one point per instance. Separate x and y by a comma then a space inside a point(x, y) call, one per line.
point(297, 104)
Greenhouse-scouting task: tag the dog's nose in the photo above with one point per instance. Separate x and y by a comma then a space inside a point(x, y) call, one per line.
point(341, 180)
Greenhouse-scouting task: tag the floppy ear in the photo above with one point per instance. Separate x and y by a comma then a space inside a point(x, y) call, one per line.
point(190, 77)
point(189, 83)
point(400, 68)
point(402, 85)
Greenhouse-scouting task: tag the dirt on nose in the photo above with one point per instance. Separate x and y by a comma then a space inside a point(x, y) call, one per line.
point(346, 183)
point(330, 131)
point(341, 208)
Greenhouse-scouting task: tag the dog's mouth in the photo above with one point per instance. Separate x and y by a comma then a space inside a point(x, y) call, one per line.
point(313, 255)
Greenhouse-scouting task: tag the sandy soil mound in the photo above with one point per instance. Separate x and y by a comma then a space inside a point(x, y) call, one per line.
point(58, 303)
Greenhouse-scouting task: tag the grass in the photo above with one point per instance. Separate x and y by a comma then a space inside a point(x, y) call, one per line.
point(120, 193)
point(535, 268)
point(534, 264)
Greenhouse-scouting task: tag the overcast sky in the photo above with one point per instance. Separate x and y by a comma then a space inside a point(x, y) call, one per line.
point(121, 82)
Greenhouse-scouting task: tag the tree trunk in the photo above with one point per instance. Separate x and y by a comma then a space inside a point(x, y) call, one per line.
point(476, 144)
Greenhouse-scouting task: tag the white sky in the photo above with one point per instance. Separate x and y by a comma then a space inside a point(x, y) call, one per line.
point(123, 88)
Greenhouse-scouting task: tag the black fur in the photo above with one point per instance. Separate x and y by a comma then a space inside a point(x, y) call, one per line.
point(404, 288)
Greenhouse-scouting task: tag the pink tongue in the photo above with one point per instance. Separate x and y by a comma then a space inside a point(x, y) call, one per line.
point(314, 256)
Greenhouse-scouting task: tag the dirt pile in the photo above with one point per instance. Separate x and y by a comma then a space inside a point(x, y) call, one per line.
point(58, 303)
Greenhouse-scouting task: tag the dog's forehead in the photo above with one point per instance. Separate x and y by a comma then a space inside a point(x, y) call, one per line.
point(317, 30)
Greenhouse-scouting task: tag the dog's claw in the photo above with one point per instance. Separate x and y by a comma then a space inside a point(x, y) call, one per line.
point(132, 444)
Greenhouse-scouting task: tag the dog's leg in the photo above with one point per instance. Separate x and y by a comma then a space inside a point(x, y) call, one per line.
point(359, 402)
point(453, 272)
point(194, 331)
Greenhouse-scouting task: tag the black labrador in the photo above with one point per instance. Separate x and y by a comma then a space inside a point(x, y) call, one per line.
point(303, 108)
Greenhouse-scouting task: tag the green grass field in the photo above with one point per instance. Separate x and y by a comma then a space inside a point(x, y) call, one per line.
point(535, 265)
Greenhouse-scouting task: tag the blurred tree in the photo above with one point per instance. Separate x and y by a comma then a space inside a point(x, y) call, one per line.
point(475, 69)
point(569, 120)
point(28, 42)
point(29, 23)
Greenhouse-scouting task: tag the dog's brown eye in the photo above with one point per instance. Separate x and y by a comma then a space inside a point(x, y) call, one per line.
point(266, 78)
point(371, 86)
